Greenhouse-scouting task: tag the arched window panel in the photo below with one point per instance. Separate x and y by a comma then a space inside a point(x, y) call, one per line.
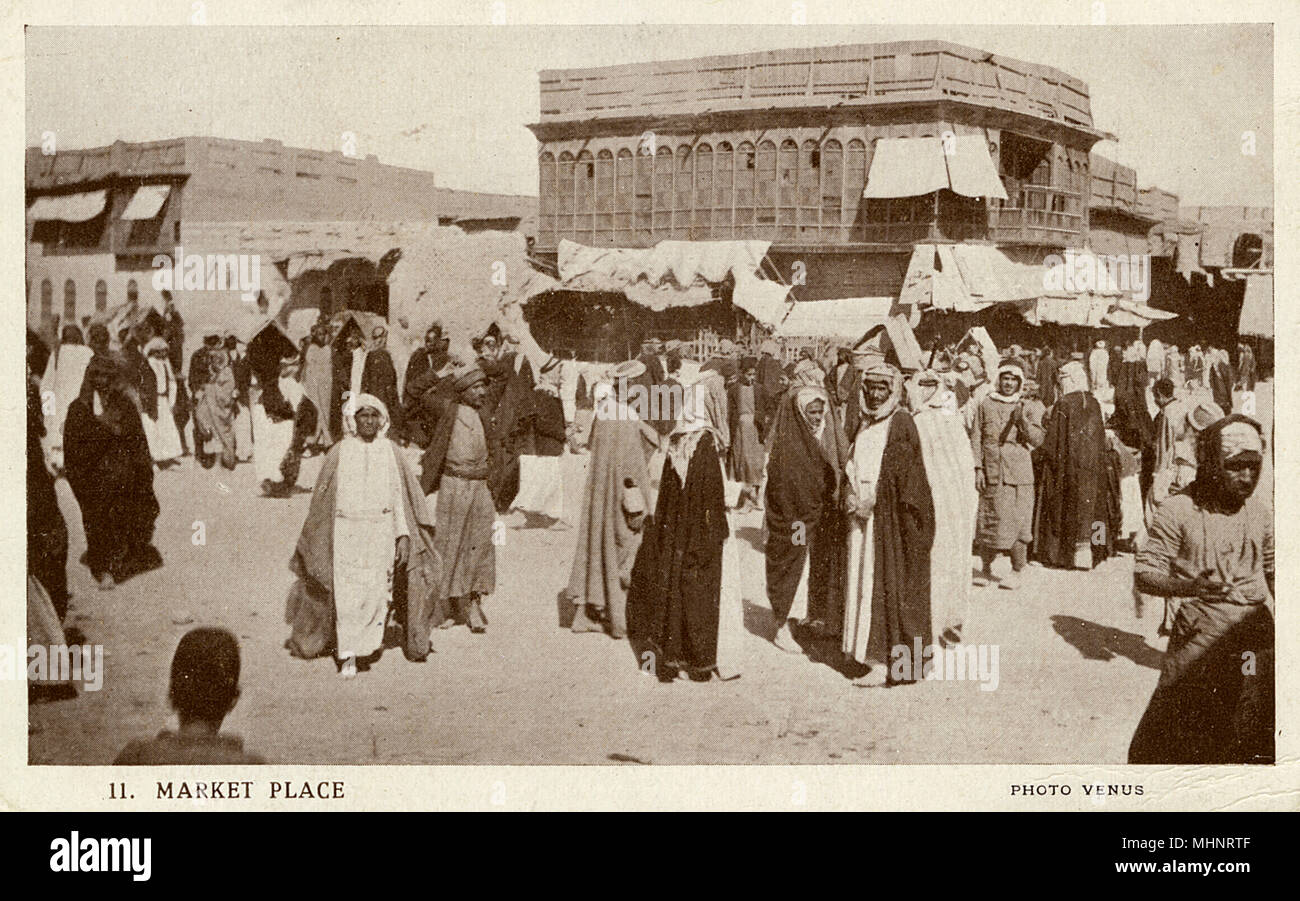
point(101, 296)
point(810, 161)
point(624, 187)
point(684, 190)
point(788, 172)
point(564, 191)
point(702, 219)
point(546, 184)
point(663, 199)
point(745, 169)
point(855, 182)
point(723, 196)
point(132, 291)
point(70, 302)
point(605, 198)
point(765, 192)
point(47, 302)
point(832, 188)
point(584, 183)
point(643, 196)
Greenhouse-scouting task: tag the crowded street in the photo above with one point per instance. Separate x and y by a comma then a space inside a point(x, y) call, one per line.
point(1077, 666)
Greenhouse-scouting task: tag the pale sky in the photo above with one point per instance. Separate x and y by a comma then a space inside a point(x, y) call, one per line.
point(456, 99)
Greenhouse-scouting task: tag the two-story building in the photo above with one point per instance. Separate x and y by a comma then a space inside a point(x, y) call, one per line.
point(850, 162)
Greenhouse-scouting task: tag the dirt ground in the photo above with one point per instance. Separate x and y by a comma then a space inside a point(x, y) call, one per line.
point(1076, 664)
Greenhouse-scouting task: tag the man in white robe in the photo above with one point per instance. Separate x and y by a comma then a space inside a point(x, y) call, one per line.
point(371, 534)
point(161, 433)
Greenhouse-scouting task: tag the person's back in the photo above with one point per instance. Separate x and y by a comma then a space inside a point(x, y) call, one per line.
point(186, 748)
point(204, 689)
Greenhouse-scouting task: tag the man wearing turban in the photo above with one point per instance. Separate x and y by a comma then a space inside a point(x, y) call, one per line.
point(365, 547)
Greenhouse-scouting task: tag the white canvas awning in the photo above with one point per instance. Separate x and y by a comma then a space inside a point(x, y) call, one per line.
point(847, 318)
point(147, 202)
point(910, 167)
point(1257, 308)
point(68, 207)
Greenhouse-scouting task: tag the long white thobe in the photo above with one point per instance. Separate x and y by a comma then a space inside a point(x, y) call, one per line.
point(368, 520)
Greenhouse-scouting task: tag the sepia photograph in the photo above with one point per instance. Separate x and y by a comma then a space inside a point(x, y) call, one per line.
point(625, 395)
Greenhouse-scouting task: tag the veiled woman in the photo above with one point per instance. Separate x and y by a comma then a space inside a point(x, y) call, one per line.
point(106, 458)
point(804, 550)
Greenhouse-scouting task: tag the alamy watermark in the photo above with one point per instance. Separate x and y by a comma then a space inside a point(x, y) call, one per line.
point(660, 402)
point(55, 664)
point(209, 272)
point(1080, 272)
point(959, 663)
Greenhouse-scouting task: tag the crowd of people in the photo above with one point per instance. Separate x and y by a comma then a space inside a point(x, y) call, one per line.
point(876, 486)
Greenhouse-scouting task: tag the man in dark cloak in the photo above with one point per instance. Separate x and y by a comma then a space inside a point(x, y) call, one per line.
point(1211, 547)
point(1072, 515)
point(1047, 366)
point(507, 413)
point(769, 386)
point(893, 532)
point(107, 461)
point(675, 594)
point(431, 358)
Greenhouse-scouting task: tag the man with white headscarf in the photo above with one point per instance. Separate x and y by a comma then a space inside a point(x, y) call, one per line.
point(366, 546)
point(1003, 436)
point(1212, 547)
point(950, 470)
point(160, 425)
point(891, 533)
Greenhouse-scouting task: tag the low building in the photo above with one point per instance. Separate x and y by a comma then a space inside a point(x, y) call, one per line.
point(98, 218)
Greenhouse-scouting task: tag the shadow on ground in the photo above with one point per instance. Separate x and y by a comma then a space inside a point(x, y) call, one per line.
point(1098, 642)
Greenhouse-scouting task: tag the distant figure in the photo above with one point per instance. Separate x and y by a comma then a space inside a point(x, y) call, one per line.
point(160, 426)
point(317, 379)
point(62, 383)
point(1245, 368)
point(204, 689)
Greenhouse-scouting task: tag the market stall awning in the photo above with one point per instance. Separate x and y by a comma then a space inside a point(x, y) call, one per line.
point(68, 207)
point(1257, 308)
point(910, 167)
point(147, 202)
point(766, 300)
point(846, 318)
point(672, 273)
point(966, 278)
